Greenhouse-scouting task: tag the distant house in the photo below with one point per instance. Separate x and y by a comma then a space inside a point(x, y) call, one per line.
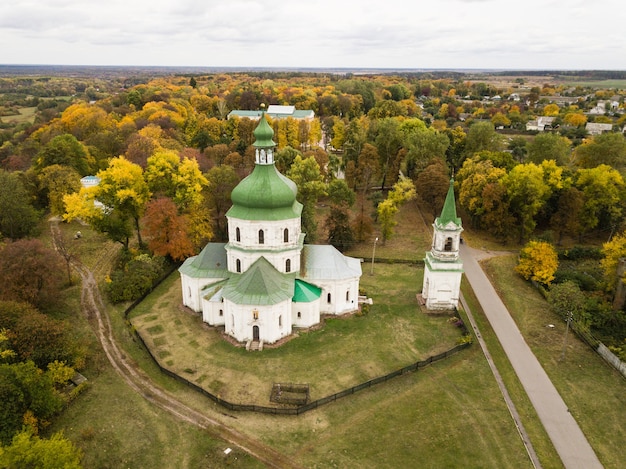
point(614, 101)
point(599, 109)
point(514, 97)
point(540, 124)
point(593, 128)
point(275, 112)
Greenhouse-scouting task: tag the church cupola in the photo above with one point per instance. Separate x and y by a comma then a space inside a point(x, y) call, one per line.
point(263, 143)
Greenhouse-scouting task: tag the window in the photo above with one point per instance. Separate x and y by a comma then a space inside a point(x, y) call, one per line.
point(448, 246)
point(221, 312)
point(286, 235)
point(299, 314)
point(288, 265)
point(280, 321)
point(255, 314)
point(238, 266)
point(232, 321)
point(189, 291)
point(328, 298)
point(238, 234)
point(348, 295)
point(261, 237)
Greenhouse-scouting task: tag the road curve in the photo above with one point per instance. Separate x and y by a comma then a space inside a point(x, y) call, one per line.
point(568, 439)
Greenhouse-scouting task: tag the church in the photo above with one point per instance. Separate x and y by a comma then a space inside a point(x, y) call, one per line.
point(265, 281)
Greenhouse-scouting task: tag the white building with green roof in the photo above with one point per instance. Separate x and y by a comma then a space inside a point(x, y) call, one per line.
point(265, 281)
point(443, 268)
point(275, 112)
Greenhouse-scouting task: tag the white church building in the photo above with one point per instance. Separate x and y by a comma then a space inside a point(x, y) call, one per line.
point(265, 281)
point(443, 268)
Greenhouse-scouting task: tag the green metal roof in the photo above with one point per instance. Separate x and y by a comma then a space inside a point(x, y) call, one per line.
point(305, 292)
point(265, 195)
point(260, 285)
point(210, 263)
point(448, 213)
point(263, 134)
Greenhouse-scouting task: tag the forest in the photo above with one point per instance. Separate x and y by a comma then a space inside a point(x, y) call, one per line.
point(167, 155)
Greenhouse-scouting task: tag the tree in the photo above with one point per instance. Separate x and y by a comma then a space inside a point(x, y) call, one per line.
point(388, 142)
point(27, 450)
point(518, 146)
point(548, 146)
point(482, 136)
point(59, 181)
point(473, 178)
point(340, 233)
point(65, 150)
point(18, 218)
point(567, 217)
point(575, 119)
point(602, 188)
point(402, 191)
point(566, 298)
point(424, 146)
point(432, 184)
point(221, 182)
point(308, 178)
point(29, 272)
point(605, 149)
point(612, 252)
point(538, 261)
point(167, 231)
point(135, 278)
point(527, 192)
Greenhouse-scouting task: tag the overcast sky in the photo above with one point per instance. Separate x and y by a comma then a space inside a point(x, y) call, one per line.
point(478, 34)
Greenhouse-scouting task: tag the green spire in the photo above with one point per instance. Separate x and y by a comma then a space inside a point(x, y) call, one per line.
point(448, 212)
point(263, 134)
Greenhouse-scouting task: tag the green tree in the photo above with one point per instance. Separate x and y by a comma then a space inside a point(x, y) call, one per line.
point(65, 150)
point(566, 298)
point(605, 149)
point(423, 147)
point(310, 183)
point(340, 233)
point(28, 451)
point(482, 136)
point(388, 142)
point(538, 261)
point(433, 184)
point(549, 146)
point(18, 218)
point(566, 220)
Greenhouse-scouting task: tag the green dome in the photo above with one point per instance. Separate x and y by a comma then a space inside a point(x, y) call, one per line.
point(263, 134)
point(265, 194)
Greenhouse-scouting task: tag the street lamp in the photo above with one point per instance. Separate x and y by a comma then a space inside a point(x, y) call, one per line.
point(569, 319)
point(373, 254)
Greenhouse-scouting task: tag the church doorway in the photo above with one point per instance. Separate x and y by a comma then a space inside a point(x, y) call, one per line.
point(255, 332)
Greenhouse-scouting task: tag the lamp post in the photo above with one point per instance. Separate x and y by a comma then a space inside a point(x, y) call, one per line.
point(373, 254)
point(569, 319)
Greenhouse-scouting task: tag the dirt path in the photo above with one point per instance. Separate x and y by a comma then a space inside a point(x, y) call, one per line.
point(93, 307)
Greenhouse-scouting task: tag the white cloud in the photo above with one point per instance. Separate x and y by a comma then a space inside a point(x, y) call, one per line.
point(326, 33)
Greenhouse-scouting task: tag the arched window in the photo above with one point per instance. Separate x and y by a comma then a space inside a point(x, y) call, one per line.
point(328, 298)
point(280, 321)
point(348, 295)
point(238, 265)
point(221, 312)
point(288, 265)
point(299, 314)
point(286, 235)
point(238, 234)
point(261, 237)
point(448, 246)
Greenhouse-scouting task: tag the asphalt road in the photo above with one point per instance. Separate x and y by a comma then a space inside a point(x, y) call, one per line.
point(566, 436)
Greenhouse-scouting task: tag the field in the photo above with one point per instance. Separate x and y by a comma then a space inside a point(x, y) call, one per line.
point(450, 414)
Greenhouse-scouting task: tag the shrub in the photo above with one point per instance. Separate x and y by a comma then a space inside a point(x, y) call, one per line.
point(135, 278)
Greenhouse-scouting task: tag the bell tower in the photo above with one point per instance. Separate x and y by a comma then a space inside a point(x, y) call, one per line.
point(442, 266)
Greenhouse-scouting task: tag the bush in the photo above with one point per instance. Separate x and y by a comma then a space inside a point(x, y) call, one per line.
point(581, 252)
point(135, 278)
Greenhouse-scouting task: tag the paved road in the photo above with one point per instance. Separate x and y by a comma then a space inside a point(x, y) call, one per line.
point(567, 437)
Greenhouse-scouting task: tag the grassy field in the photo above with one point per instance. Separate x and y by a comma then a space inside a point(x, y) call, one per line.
point(593, 391)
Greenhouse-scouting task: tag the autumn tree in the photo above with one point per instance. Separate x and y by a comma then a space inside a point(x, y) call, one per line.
point(566, 220)
point(549, 146)
point(167, 230)
point(432, 184)
point(602, 188)
point(538, 261)
point(612, 252)
point(388, 142)
point(27, 450)
point(58, 181)
point(221, 181)
point(308, 179)
point(29, 272)
point(18, 218)
point(605, 149)
point(403, 191)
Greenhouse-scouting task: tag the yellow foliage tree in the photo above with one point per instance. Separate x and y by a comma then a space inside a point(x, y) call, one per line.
point(538, 261)
point(613, 251)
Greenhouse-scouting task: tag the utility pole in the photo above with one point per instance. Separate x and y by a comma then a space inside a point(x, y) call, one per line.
point(373, 254)
point(569, 319)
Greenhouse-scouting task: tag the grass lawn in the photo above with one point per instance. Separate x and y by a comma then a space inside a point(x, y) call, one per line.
point(593, 391)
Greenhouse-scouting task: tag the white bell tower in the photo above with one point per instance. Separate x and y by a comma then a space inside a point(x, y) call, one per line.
point(443, 268)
